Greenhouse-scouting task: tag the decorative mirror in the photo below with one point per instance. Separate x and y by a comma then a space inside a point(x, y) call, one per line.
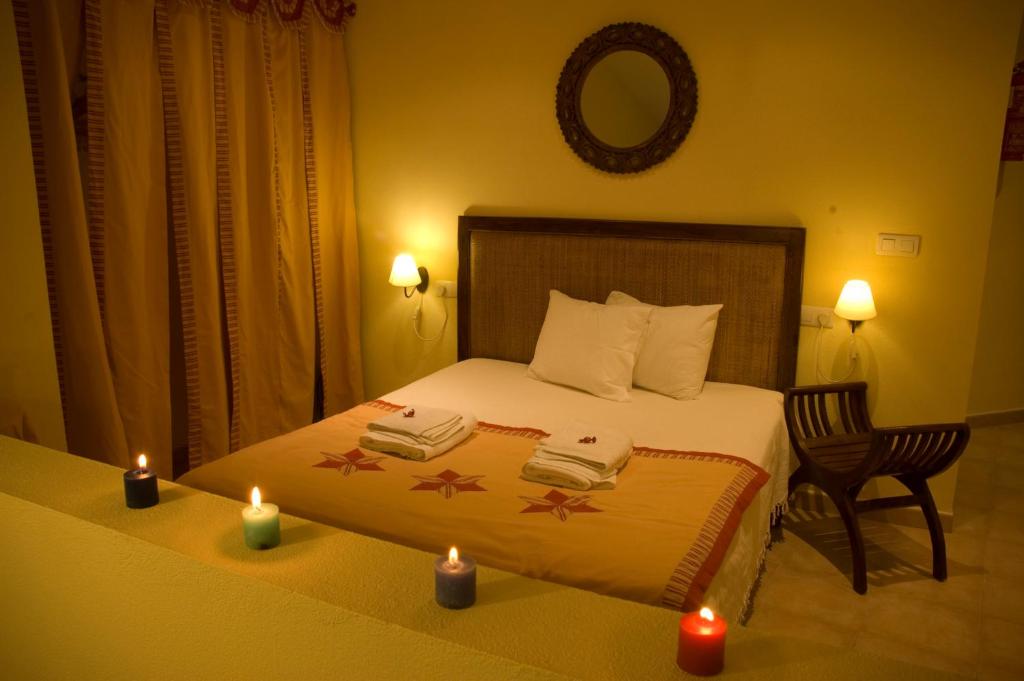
point(626, 98)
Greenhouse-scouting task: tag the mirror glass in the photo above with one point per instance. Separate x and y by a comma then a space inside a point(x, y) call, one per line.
point(625, 98)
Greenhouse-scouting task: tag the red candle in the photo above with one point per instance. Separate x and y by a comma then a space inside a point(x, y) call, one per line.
point(701, 643)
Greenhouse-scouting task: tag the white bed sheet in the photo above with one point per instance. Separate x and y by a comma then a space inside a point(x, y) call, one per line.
point(726, 419)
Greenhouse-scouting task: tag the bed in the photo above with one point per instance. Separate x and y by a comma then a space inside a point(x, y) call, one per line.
point(689, 520)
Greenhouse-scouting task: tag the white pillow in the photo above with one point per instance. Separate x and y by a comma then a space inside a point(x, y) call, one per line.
point(673, 355)
point(589, 346)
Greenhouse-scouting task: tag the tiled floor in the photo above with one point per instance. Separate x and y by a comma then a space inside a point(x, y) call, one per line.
point(972, 624)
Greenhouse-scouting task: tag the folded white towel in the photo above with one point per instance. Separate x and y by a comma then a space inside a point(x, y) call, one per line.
point(408, 447)
point(602, 449)
point(426, 425)
point(435, 437)
point(566, 474)
point(542, 454)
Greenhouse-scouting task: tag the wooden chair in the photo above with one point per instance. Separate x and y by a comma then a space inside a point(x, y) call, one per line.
point(840, 451)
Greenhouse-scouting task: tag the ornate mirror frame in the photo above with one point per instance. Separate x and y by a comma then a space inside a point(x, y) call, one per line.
point(682, 107)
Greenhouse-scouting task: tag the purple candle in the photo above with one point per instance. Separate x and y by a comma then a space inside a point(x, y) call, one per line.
point(140, 490)
point(455, 581)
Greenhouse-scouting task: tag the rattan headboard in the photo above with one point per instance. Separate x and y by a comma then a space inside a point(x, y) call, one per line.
point(508, 265)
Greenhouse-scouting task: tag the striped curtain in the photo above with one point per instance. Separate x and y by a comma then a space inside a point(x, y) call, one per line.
point(193, 169)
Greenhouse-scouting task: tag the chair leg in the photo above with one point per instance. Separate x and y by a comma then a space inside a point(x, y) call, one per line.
point(797, 478)
point(919, 487)
point(844, 502)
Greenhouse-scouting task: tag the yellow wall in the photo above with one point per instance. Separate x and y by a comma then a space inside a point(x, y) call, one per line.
point(848, 121)
point(998, 361)
point(29, 396)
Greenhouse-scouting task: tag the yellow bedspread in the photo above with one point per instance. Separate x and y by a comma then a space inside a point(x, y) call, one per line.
point(657, 538)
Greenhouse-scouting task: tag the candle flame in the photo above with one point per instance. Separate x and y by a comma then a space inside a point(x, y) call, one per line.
point(142, 460)
point(256, 498)
point(453, 555)
point(706, 614)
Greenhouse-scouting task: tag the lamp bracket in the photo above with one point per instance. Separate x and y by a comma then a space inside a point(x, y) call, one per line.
point(422, 286)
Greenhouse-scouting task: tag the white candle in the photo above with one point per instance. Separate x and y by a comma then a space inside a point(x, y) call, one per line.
point(261, 523)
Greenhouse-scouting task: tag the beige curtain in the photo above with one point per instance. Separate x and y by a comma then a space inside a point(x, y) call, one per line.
point(204, 288)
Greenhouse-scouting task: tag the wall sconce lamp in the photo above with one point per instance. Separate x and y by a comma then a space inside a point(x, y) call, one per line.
point(405, 274)
point(855, 303)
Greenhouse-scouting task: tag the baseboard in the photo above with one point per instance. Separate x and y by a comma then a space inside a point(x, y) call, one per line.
point(995, 418)
point(808, 498)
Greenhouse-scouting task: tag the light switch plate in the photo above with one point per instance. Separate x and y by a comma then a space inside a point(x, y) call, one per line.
point(905, 245)
point(813, 316)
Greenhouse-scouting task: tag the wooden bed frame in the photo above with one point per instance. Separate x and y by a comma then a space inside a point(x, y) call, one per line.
point(507, 265)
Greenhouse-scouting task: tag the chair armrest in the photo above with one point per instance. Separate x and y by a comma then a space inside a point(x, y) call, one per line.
point(925, 449)
point(923, 429)
point(808, 415)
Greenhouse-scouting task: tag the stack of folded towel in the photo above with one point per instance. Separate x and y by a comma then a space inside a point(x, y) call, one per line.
point(579, 456)
point(418, 432)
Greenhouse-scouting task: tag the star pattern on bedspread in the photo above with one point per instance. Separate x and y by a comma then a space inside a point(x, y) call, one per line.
point(448, 483)
point(350, 462)
point(559, 505)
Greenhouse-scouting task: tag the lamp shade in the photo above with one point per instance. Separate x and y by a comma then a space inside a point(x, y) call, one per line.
point(404, 272)
point(855, 302)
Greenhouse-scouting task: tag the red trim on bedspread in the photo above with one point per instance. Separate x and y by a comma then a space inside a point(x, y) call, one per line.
point(386, 406)
point(692, 576)
point(520, 431)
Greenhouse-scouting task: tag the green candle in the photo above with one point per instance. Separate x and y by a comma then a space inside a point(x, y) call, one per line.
point(260, 523)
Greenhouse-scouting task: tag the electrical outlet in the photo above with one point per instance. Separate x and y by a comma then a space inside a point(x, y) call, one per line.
point(816, 316)
point(447, 289)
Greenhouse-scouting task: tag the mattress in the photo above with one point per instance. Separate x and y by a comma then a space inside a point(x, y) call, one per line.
point(687, 524)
